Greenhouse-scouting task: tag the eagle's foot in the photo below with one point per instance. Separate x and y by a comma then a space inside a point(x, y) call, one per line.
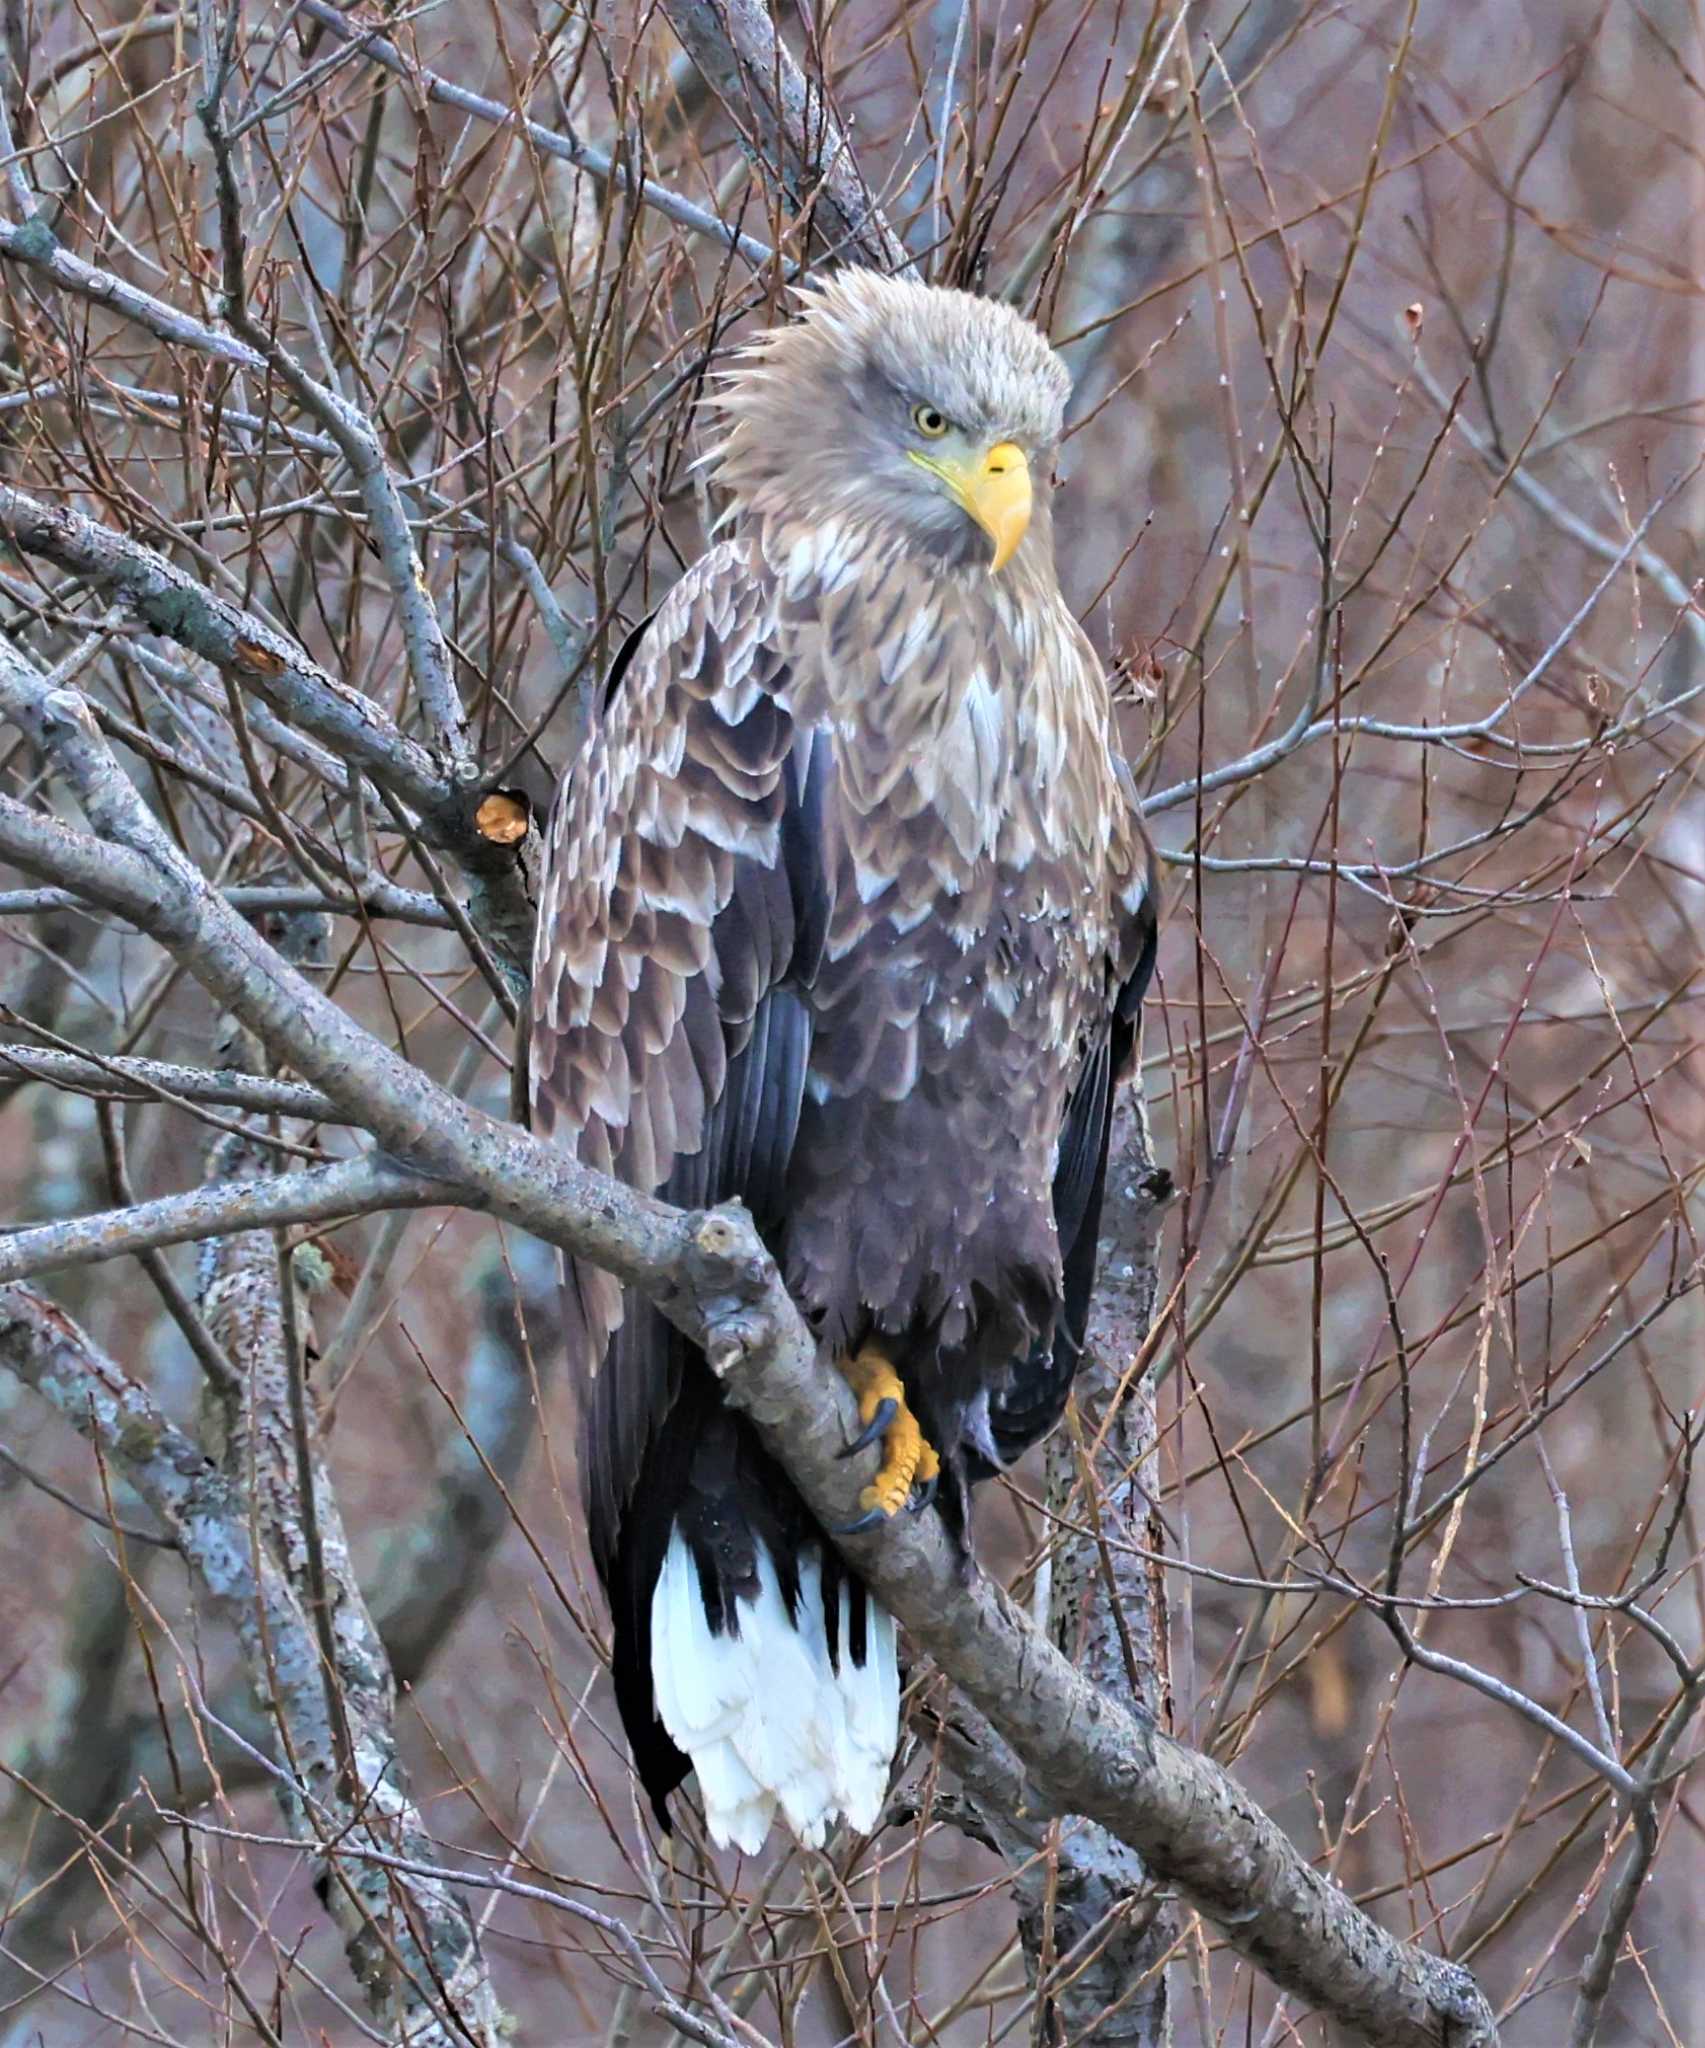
point(908, 1458)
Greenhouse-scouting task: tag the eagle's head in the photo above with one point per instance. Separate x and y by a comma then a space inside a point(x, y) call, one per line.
point(919, 417)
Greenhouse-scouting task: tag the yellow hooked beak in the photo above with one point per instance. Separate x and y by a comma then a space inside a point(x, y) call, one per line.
point(994, 489)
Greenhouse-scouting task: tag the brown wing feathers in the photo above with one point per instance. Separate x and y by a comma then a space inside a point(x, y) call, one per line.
point(666, 1044)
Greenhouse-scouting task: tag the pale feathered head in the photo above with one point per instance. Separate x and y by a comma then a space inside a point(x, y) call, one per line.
point(925, 417)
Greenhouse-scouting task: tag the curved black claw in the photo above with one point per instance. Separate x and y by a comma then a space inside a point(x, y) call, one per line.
point(923, 1493)
point(872, 1518)
point(886, 1410)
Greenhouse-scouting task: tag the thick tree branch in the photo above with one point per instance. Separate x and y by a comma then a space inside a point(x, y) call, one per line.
point(418, 1953)
point(786, 126)
point(33, 242)
point(488, 1165)
point(134, 868)
point(377, 899)
point(136, 1080)
point(1191, 1823)
point(317, 1194)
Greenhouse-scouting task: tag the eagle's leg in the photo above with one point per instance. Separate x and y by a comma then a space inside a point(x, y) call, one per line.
point(908, 1457)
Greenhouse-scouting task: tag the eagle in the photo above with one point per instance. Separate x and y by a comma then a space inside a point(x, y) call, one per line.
point(846, 913)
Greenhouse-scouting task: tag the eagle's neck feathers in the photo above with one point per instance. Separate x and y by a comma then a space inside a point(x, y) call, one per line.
point(973, 694)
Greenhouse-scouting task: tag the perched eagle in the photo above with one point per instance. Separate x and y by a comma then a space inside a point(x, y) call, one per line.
point(846, 916)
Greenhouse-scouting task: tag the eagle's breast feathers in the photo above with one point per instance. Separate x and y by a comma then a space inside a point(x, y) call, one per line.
point(896, 795)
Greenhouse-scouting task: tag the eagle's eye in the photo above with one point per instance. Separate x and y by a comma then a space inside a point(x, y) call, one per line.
point(929, 422)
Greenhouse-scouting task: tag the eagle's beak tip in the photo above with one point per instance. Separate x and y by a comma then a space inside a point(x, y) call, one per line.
point(994, 490)
point(999, 499)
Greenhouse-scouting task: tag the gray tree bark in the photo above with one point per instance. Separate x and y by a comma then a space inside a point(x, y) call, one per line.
point(786, 126)
point(1095, 1934)
point(1193, 1825)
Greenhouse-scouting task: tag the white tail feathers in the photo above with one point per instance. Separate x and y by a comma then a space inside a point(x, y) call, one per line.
point(765, 1717)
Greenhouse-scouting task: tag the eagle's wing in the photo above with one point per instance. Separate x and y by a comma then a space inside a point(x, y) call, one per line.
point(681, 891)
point(1034, 1398)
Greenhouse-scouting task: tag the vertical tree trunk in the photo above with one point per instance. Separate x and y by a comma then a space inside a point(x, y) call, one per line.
point(411, 1942)
point(1092, 1931)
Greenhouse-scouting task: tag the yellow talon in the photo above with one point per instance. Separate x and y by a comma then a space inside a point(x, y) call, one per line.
point(908, 1458)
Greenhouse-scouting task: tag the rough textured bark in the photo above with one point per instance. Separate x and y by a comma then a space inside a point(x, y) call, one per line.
point(786, 126)
point(415, 1954)
point(1098, 1921)
point(411, 1940)
point(1193, 1825)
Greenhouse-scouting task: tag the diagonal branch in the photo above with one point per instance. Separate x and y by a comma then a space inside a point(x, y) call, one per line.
point(786, 126)
point(33, 243)
point(1192, 1824)
point(564, 148)
point(429, 1961)
point(255, 654)
point(317, 1194)
point(259, 658)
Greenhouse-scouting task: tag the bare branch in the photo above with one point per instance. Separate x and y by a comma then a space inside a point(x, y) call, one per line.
point(317, 1194)
point(255, 654)
point(443, 1969)
point(137, 1080)
point(257, 657)
point(33, 242)
point(568, 149)
point(1191, 1824)
point(354, 433)
point(1306, 727)
point(1619, 1911)
point(786, 125)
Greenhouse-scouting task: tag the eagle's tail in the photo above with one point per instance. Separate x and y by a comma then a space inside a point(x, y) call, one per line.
point(797, 1710)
